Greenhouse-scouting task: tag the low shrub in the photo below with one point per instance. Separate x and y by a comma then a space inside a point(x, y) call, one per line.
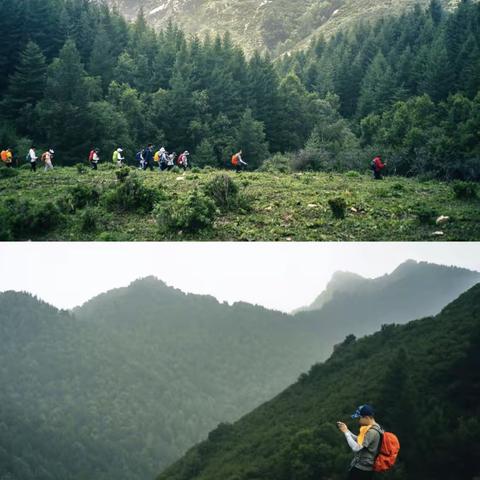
point(82, 195)
point(23, 219)
point(190, 214)
point(122, 174)
point(338, 206)
point(425, 215)
point(131, 195)
point(81, 168)
point(279, 163)
point(89, 220)
point(6, 172)
point(464, 190)
point(223, 190)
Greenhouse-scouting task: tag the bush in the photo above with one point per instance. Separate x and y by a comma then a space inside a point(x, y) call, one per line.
point(190, 214)
point(279, 163)
point(88, 221)
point(223, 190)
point(425, 215)
point(122, 174)
point(464, 190)
point(310, 160)
point(131, 195)
point(338, 207)
point(196, 170)
point(82, 195)
point(81, 168)
point(7, 172)
point(23, 219)
point(352, 174)
point(176, 169)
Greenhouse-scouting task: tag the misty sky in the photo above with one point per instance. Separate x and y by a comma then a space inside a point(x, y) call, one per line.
point(279, 276)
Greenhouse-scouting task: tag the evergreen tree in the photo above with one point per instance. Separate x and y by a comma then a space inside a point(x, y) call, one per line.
point(378, 87)
point(64, 113)
point(251, 140)
point(27, 84)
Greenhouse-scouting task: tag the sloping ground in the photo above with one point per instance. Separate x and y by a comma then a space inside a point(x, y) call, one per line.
point(424, 379)
point(282, 207)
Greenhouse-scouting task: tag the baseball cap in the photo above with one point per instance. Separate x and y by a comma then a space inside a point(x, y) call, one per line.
point(364, 411)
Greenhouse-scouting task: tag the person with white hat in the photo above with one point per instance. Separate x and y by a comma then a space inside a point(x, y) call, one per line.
point(47, 159)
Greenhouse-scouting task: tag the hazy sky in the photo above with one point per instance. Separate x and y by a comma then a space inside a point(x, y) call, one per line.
point(280, 276)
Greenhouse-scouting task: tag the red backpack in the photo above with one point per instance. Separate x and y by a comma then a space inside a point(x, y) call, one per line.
point(90, 156)
point(235, 160)
point(387, 452)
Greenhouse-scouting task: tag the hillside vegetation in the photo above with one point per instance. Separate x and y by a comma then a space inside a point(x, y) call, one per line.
point(423, 378)
point(276, 26)
point(122, 386)
point(404, 87)
point(127, 205)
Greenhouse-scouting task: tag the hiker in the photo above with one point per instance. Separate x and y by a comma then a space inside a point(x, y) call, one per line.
point(365, 445)
point(118, 157)
point(171, 161)
point(32, 158)
point(163, 159)
point(139, 158)
point(47, 159)
point(238, 162)
point(7, 157)
point(148, 157)
point(94, 158)
point(182, 160)
point(377, 167)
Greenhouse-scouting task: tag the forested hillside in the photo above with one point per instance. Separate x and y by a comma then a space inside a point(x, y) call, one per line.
point(423, 378)
point(122, 386)
point(80, 76)
point(277, 26)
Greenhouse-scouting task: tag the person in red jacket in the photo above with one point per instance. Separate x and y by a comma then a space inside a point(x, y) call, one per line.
point(377, 167)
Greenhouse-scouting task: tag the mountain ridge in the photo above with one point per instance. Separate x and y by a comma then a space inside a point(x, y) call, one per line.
point(276, 26)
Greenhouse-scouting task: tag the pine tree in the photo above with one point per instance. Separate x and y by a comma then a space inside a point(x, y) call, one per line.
point(251, 140)
point(378, 88)
point(12, 39)
point(27, 84)
point(205, 154)
point(64, 111)
point(102, 60)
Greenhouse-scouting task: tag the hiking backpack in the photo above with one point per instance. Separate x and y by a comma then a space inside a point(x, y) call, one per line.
point(90, 156)
point(388, 449)
point(235, 160)
point(139, 156)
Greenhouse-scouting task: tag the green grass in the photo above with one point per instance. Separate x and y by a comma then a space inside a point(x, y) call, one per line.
point(283, 207)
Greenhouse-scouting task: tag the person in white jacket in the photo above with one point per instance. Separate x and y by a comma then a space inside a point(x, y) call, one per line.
point(32, 156)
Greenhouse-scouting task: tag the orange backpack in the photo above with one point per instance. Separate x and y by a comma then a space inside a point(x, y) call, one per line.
point(387, 452)
point(235, 160)
point(4, 155)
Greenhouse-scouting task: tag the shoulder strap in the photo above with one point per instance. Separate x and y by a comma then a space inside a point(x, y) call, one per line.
point(380, 431)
